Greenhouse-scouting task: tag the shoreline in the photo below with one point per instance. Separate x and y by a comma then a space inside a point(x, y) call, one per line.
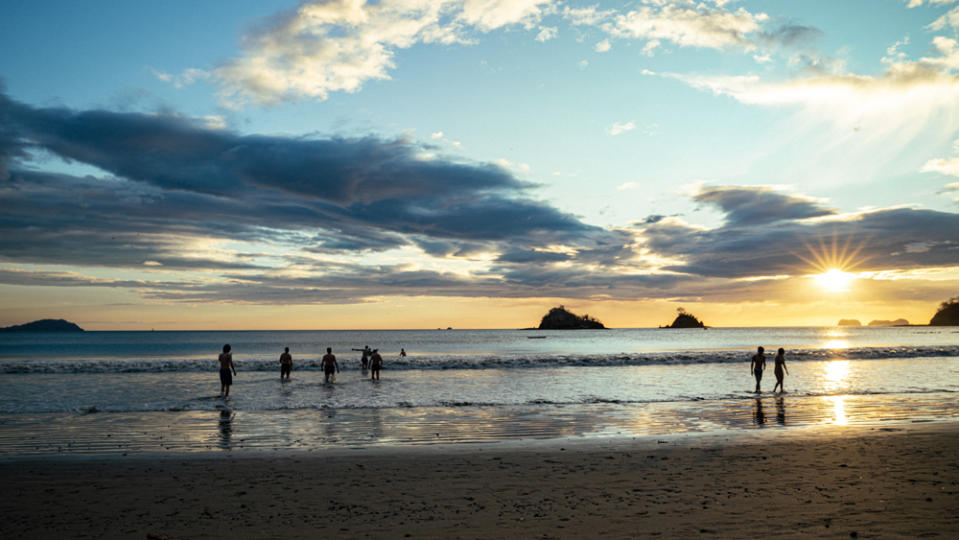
point(901, 480)
point(288, 431)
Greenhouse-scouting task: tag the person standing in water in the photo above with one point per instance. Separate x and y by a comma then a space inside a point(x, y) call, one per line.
point(780, 365)
point(402, 353)
point(376, 362)
point(329, 364)
point(226, 365)
point(757, 366)
point(286, 364)
point(364, 357)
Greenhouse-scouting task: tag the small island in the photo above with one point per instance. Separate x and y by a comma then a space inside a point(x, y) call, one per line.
point(849, 322)
point(559, 318)
point(883, 322)
point(685, 320)
point(44, 325)
point(948, 314)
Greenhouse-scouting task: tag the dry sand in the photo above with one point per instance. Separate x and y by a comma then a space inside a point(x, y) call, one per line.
point(838, 483)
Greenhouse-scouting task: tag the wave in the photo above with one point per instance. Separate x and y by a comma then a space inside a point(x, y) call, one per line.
point(167, 365)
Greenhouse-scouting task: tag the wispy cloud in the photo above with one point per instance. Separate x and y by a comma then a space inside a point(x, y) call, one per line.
point(681, 22)
point(905, 97)
point(621, 127)
point(186, 78)
point(338, 45)
point(547, 33)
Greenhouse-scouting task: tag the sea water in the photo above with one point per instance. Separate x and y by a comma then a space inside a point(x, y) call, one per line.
point(79, 391)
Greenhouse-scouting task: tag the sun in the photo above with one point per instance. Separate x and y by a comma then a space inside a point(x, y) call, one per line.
point(835, 280)
point(833, 260)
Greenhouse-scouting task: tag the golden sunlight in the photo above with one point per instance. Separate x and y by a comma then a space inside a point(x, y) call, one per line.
point(839, 410)
point(834, 280)
point(836, 344)
point(832, 261)
point(835, 374)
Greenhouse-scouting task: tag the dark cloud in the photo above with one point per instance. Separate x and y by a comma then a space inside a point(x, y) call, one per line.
point(359, 193)
point(792, 35)
point(749, 206)
point(177, 198)
point(879, 240)
point(524, 256)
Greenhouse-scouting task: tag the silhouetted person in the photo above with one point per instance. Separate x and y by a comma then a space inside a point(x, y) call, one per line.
point(286, 364)
point(376, 362)
point(364, 357)
point(329, 365)
point(757, 366)
point(226, 365)
point(402, 353)
point(780, 365)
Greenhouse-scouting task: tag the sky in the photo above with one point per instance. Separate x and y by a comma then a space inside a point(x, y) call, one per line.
point(471, 163)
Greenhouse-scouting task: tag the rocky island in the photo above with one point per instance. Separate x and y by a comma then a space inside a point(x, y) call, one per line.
point(559, 318)
point(44, 325)
point(685, 320)
point(849, 322)
point(884, 322)
point(948, 314)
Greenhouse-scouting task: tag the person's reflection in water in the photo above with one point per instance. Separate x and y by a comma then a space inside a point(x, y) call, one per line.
point(780, 411)
point(226, 429)
point(759, 417)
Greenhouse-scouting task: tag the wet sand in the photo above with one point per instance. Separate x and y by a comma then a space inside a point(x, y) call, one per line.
point(842, 482)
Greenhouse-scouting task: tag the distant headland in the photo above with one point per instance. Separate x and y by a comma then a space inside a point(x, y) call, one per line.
point(44, 325)
point(849, 322)
point(686, 320)
point(559, 318)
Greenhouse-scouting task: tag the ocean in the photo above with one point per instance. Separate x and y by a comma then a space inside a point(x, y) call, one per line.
point(122, 392)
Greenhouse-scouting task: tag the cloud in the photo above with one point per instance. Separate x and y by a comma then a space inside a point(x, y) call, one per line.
point(952, 190)
point(602, 46)
point(759, 205)
point(794, 233)
point(907, 97)
point(547, 33)
point(791, 35)
point(621, 127)
point(338, 45)
point(917, 3)
point(948, 166)
point(178, 196)
point(686, 24)
point(200, 214)
point(942, 166)
point(186, 78)
point(949, 19)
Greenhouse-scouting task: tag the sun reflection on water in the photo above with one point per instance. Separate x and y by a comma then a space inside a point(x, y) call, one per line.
point(835, 374)
point(839, 410)
point(836, 344)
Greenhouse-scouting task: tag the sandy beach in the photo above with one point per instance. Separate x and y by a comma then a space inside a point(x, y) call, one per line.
point(898, 481)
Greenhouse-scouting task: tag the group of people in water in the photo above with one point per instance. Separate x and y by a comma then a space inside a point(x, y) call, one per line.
point(370, 360)
point(758, 365)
